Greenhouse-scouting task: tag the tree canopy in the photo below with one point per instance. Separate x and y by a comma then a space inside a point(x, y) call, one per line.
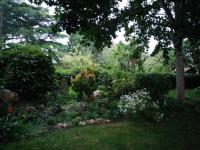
point(25, 23)
point(95, 19)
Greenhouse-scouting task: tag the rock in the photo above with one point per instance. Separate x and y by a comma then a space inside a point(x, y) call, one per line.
point(107, 120)
point(91, 121)
point(8, 95)
point(94, 121)
point(62, 125)
point(82, 123)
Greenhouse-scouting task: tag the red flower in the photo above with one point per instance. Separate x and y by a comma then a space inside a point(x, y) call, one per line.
point(9, 109)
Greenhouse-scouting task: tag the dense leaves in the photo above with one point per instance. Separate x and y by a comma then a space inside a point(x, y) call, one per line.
point(95, 19)
point(26, 70)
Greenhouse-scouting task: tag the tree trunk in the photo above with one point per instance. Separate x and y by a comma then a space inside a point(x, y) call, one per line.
point(180, 82)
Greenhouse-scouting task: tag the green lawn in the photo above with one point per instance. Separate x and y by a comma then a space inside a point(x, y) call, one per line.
point(180, 132)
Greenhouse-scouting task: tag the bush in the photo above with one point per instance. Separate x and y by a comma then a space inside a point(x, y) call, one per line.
point(27, 71)
point(124, 88)
point(84, 83)
point(103, 78)
point(192, 81)
point(157, 84)
point(140, 103)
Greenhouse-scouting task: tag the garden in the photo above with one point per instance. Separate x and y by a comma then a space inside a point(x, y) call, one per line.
point(89, 93)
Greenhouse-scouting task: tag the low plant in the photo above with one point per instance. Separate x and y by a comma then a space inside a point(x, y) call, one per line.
point(9, 128)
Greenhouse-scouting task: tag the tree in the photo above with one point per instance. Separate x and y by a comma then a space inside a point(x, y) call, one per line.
point(78, 43)
point(97, 20)
point(129, 56)
point(24, 23)
point(169, 21)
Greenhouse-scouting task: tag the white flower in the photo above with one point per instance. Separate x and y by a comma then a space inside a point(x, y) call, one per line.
point(138, 102)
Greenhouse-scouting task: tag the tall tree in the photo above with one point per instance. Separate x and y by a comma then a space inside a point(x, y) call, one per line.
point(24, 23)
point(169, 21)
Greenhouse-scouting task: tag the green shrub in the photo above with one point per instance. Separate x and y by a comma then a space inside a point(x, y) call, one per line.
point(103, 78)
point(157, 84)
point(140, 103)
point(192, 81)
point(27, 70)
point(124, 88)
point(63, 97)
point(84, 83)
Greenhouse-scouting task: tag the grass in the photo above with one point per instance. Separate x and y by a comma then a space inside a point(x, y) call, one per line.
point(180, 132)
point(191, 96)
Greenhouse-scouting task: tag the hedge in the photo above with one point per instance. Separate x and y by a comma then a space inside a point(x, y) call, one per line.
point(26, 70)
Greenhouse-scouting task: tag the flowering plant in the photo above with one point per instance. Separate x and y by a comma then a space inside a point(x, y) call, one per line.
point(140, 102)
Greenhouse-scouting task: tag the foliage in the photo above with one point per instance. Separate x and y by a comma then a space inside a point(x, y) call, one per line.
point(78, 44)
point(157, 64)
point(141, 103)
point(25, 23)
point(101, 108)
point(72, 63)
point(129, 56)
point(103, 78)
point(94, 20)
point(9, 128)
point(192, 54)
point(124, 88)
point(157, 84)
point(63, 97)
point(84, 83)
point(192, 81)
point(169, 23)
point(27, 70)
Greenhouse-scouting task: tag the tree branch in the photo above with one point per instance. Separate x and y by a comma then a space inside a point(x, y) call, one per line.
point(168, 13)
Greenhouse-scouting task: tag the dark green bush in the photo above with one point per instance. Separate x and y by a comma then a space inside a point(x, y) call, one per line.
point(124, 88)
point(157, 84)
point(27, 70)
point(192, 81)
point(63, 80)
point(103, 78)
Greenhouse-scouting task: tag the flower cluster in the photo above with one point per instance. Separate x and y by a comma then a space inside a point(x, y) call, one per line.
point(134, 101)
point(140, 102)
